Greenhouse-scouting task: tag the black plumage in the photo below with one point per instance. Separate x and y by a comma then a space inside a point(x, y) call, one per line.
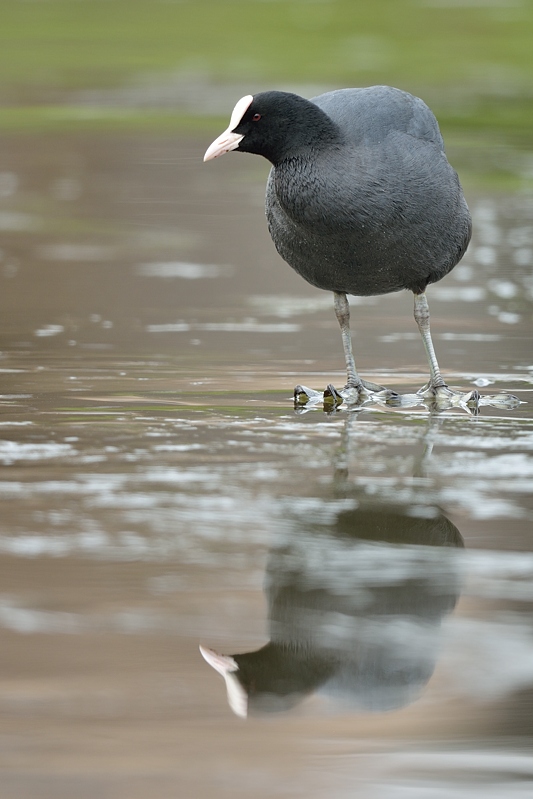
point(361, 198)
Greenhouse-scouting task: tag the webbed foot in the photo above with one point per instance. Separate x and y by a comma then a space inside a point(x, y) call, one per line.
point(352, 395)
point(435, 398)
point(442, 397)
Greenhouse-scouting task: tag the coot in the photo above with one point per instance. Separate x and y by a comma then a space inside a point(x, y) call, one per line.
point(360, 199)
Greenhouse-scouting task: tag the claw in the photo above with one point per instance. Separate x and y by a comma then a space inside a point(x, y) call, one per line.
point(332, 397)
point(471, 400)
point(302, 395)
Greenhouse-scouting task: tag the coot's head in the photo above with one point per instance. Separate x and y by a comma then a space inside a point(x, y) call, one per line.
point(275, 125)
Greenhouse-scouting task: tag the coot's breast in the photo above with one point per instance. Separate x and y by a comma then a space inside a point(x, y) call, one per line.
point(382, 210)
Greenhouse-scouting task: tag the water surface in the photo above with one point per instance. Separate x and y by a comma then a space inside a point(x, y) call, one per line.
point(159, 492)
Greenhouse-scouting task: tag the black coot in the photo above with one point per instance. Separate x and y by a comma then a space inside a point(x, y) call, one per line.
point(361, 198)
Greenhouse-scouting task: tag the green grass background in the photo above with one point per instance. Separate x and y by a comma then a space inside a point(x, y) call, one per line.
point(472, 60)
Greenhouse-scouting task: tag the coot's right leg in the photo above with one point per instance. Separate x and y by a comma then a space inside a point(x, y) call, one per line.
point(356, 389)
point(342, 310)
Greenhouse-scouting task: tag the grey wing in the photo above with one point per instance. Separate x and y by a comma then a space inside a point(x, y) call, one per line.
point(369, 115)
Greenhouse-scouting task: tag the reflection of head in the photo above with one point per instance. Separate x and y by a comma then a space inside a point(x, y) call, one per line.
point(228, 667)
point(355, 605)
point(265, 681)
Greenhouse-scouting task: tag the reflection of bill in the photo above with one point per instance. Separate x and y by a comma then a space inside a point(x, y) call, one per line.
point(355, 606)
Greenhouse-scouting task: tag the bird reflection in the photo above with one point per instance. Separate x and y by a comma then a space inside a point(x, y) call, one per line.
point(356, 595)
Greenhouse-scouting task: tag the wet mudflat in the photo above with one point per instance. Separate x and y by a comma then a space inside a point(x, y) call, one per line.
point(158, 492)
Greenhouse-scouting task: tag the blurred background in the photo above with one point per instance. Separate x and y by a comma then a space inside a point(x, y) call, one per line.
point(106, 108)
point(152, 470)
point(175, 65)
point(172, 65)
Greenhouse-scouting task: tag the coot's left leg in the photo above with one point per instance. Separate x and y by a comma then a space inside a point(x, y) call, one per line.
point(436, 385)
point(437, 390)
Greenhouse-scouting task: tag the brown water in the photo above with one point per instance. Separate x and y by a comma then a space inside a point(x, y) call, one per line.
point(155, 479)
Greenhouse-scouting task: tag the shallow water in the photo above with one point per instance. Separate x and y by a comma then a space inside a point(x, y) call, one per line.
point(159, 492)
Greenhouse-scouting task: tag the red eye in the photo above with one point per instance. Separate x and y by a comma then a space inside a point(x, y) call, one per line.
point(256, 117)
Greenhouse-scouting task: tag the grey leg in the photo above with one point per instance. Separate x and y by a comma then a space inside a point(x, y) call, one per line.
point(422, 320)
point(342, 310)
point(355, 388)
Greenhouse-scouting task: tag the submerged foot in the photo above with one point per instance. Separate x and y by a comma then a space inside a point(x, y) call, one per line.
point(441, 397)
point(353, 394)
point(434, 397)
point(331, 397)
point(367, 391)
